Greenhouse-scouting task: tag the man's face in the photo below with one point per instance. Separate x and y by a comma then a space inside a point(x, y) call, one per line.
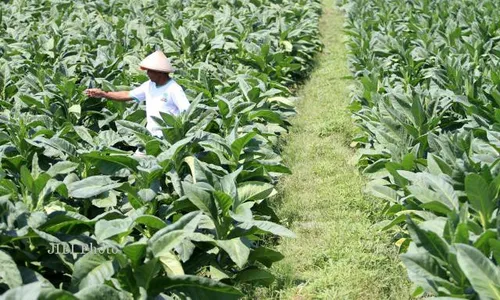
point(155, 76)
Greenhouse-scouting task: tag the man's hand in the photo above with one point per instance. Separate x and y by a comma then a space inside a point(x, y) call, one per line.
point(95, 93)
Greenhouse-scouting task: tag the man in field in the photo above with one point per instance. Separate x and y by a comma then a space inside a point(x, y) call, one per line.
point(161, 93)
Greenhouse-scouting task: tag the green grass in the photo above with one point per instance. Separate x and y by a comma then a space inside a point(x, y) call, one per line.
point(337, 254)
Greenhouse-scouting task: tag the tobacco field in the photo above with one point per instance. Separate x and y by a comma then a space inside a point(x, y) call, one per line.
point(80, 216)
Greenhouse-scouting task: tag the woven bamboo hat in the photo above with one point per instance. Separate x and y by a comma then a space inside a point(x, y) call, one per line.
point(157, 61)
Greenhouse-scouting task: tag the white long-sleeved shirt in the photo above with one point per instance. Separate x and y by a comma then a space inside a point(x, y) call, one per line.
point(168, 98)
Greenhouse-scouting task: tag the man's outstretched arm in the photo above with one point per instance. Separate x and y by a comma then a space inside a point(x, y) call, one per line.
point(116, 96)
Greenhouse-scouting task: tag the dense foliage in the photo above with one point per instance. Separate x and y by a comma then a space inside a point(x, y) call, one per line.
point(428, 101)
point(187, 220)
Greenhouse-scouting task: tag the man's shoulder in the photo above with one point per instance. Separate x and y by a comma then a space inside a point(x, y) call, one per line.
point(174, 86)
point(143, 85)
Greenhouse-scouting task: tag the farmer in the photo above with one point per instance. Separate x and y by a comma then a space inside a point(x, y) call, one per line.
point(161, 93)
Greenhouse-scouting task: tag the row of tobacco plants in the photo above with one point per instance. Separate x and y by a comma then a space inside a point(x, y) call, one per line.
point(428, 101)
point(80, 216)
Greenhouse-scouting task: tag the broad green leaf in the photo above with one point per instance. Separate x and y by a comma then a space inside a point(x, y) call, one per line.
point(170, 120)
point(436, 165)
point(151, 221)
point(448, 195)
point(166, 242)
point(171, 264)
point(188, 223)
point(91, 186)
point(9, 273)
point(244, 86)
point(195, 287)
point(185, 250)
point(418, 113)
point(482, 243)
point(481, 200)
point(461, 234)
point(282, 101)
point(106, 199)
point(30, 101)
point(61, 220)
point(429, 240)
point(254, 191)
point(36, 219)
point(135, 252)
point(495, 247)
point(218, 148)
point(267, 115)
point(173, 150)
point(42, 184)
point(386, 224)
point(255, 276)
point(238, 145)
point(146, 272)
point(275, 167)
point(102, 291)
point(110, 164)
point(27, 179)
point(105, 229)
point(288, 46)
point(56, 294)
point(217, 274)
point(75, 109)
point(29, 291)
point(236, 249)
point(93, 270)
point(199, 171)
point(243, 212)
point(383, 192)
point(426, 195)
point(424, 270)
point(62, 167)
point(481, 272)
point(200, 198)
point(266, 256)
point(224, 201)
point(108, 138)
point(84, 134)
point(131, 127)
point(224, 106)
point(147, 195)
point(61, 146)
point(268, 227)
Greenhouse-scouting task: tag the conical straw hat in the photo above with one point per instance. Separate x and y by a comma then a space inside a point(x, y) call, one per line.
point(157, 61)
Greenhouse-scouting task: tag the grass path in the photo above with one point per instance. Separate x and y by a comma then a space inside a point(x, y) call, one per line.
point(336, 255)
